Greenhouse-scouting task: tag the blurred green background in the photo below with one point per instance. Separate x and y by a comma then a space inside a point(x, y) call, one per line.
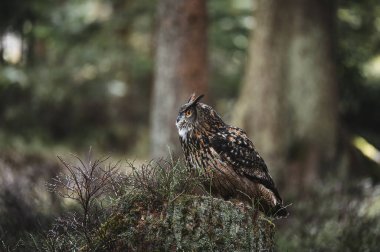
point(80, 73)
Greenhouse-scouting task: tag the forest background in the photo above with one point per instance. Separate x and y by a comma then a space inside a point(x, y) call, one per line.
point(302, 78)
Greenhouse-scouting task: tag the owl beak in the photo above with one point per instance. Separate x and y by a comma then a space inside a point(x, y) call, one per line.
point(179, 118)
point(178, 121)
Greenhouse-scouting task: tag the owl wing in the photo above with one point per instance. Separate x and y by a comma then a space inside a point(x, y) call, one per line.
point(235, 148)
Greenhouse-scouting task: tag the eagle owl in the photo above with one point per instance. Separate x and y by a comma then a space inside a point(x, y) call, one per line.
point(226, 157)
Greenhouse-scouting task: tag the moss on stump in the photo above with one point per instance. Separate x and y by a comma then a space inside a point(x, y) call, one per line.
point(189, 223)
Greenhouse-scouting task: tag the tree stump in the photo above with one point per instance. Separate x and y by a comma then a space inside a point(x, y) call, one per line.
point(188, 223)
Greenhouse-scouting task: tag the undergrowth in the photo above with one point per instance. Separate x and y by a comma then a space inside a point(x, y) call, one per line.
point(156, 206)
point(111, 210)
point(97, 191)
point(333, 217)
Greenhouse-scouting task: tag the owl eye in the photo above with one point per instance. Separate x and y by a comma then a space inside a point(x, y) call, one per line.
point(188, 113)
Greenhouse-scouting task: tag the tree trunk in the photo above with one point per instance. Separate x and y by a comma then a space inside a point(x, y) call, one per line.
point(181, 67)
point(288, 100)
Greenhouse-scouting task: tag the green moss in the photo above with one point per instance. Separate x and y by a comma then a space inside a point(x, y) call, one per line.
point(190, 223)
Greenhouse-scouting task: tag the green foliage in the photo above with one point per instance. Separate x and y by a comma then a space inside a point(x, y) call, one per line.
point(230, 25)
point(80, 72)
point(85, 75)
point(164, 180)
point(358, 41)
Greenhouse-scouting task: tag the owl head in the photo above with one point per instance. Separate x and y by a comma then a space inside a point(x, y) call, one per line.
point(194, 114)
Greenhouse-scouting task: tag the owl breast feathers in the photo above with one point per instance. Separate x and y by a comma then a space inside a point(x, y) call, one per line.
point(226, 157)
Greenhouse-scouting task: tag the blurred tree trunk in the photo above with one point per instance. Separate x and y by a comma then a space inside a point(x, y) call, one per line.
point(288, 103)
point(181, 67)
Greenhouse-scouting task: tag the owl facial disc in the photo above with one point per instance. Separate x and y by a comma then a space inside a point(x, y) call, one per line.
point(183, 123)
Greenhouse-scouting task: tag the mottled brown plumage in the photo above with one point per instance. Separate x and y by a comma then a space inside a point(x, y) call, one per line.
point(226, 156)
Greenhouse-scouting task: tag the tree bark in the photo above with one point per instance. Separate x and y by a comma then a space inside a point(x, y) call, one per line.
point(181, 67)
point(288, 102)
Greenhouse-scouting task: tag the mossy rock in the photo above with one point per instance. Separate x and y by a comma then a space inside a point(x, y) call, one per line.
point(188, 223)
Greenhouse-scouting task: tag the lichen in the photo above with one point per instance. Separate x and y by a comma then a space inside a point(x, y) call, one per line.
point(190, 223)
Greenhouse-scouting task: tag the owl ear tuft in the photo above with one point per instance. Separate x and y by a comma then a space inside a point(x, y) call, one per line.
point(194, 100)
